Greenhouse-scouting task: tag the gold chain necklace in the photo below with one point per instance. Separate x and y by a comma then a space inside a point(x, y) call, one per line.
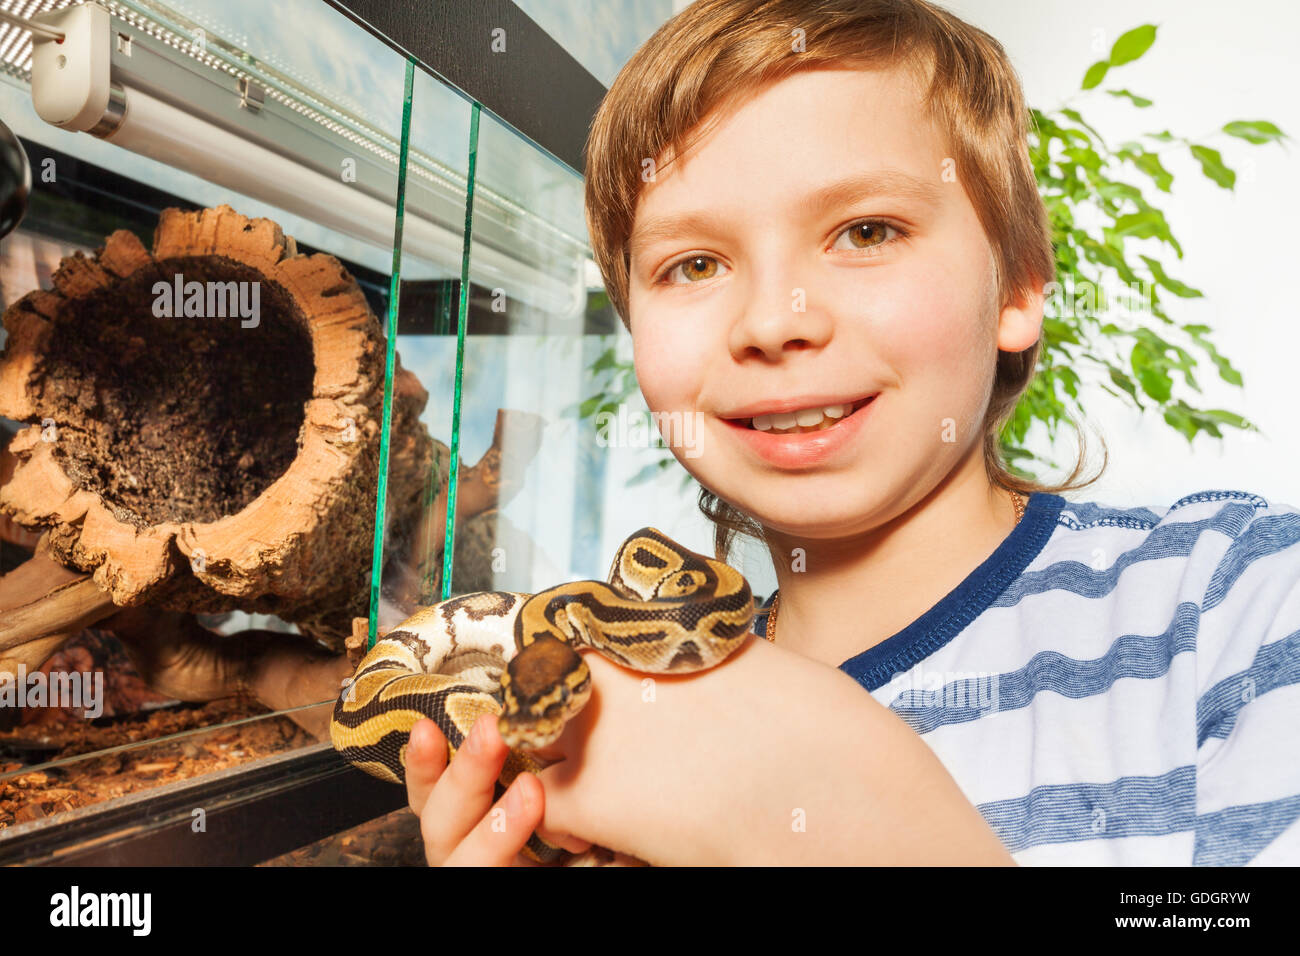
point(776, 602)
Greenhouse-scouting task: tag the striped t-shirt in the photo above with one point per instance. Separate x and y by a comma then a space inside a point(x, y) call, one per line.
point(1118, 685)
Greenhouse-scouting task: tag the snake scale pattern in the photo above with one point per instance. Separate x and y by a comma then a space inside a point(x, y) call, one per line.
point(664, 609)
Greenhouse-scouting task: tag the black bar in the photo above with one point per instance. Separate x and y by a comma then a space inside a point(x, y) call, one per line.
point(535, 85)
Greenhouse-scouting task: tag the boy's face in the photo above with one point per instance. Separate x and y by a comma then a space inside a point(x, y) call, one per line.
point(768, 300)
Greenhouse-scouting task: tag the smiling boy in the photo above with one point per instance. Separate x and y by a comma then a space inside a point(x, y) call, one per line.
point(820, 224)
point(854, 269)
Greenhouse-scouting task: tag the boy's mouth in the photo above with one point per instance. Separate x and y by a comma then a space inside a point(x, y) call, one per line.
point(813, 417)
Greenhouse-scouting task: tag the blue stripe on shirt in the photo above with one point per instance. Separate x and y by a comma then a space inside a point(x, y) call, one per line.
point(1137, 656)
point(1266, 535)
point(1166, 541)
point(1275, 665)
point(1234, 836)
point(1066, 813)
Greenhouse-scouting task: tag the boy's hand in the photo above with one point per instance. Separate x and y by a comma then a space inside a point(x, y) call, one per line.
point(770, 758)
point(709, 769)
point(458, 820)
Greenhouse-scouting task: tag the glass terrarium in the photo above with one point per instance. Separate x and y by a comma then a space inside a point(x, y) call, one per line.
point(194, 363)
point(297, 338)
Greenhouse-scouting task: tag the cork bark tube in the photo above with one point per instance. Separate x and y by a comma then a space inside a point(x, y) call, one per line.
point(181, 464)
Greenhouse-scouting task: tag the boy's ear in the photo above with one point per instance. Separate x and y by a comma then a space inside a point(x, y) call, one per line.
point(1021, 321)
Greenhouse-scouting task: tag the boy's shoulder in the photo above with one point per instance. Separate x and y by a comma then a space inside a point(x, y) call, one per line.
point(1217, 536)
point(1226, 510)
point(1223, 564)
point(1201, 545)
point(1197, 526)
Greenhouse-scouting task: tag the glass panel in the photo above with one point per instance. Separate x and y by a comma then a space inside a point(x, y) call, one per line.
point(583, 466)
point(420, 433)
point(391, 840)
point(203, 436)
point(98, 761)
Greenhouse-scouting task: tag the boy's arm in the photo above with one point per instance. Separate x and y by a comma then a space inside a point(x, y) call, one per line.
point(771, 758)
point(1248, 705)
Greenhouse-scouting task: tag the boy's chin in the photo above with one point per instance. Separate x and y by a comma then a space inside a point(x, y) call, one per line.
point(824, 514)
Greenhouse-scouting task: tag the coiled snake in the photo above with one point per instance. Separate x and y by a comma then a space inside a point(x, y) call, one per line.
point(664, 609)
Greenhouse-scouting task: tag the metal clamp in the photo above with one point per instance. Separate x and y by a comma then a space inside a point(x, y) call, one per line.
point(251, 95)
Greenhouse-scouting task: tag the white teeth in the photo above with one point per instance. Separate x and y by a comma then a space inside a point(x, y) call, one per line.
point(804, 418)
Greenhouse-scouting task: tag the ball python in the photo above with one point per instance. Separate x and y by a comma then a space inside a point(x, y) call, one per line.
point(664, 609)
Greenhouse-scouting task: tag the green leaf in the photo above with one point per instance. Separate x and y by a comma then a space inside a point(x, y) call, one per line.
point(1074, 115)
point(1229, 418)
point(1140, 225)
point(1133, 98)
point(1150, 164)
point(1226, 371)
point(1069, 380)
point(1060, 331)
point(1255, 131)
point(1096, 73)
point(1085, 157)
point(1126, 383)
point(1113, 190)
point(627, 383)
point(1180, 420)
point(607, 360)
point(589, 406)
point(1132, 44)
point(1212, 165)
point(1152, 373)
point(1173, 285)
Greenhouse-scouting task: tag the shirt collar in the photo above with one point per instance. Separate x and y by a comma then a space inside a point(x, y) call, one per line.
point(959, 607)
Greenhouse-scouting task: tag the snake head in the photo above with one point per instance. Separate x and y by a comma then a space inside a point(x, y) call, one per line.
point(544, 686)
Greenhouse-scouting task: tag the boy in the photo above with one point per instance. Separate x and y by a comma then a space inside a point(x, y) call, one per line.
point(820, 224)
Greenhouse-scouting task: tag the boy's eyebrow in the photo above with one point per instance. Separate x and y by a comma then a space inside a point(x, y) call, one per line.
point(877, 182)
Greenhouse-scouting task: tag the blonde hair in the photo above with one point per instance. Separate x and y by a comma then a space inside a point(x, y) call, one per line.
point(716, 51)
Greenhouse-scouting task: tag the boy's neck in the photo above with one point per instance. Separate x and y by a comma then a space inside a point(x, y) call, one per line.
point(857, 592)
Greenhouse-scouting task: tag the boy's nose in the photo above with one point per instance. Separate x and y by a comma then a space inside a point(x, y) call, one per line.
point(772, 331)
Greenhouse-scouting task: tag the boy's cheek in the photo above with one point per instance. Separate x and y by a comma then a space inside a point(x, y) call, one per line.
point(932, 314)
point(669, 370)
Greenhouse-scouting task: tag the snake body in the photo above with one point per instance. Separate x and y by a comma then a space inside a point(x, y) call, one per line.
point(664, 609)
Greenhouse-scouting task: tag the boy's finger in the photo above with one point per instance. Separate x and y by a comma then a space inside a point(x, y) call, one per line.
point(464, 792)
point(426, 758)
point(503, 831)
point(564, 840)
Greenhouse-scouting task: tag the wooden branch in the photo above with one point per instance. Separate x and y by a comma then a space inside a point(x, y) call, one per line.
point(177, 656)
point(41, 598)
point(32, 655)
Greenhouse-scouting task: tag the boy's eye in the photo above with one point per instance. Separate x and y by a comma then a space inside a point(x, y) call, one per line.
point(867, 234)
point(695, 268)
